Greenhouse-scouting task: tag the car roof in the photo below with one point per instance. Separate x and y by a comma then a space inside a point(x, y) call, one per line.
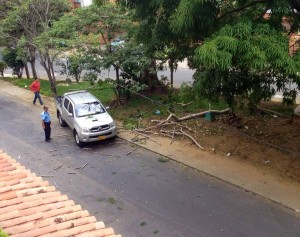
point(81, 97)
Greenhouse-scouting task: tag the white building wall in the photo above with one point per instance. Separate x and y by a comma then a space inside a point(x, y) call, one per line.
point(85, 3)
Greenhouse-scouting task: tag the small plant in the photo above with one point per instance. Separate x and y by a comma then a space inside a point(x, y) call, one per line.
point(2, 234)
point(91, 77)
point(129, 126)
point(100, 199)
point(68, 80)
point(111, 200)
point(163, 159)
point(3, 66)
point(143, 223)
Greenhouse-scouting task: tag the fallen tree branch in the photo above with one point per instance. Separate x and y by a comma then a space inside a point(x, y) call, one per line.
point(131, 151)
point(179, 125)
point(183, 105)
point(80, 168)
point(191, 116)
point(140, 120)
point(55, 185)
point(185, 134)
point(193, 139)
point(137, 139)
point(167, 121)
point(147, 137)
point(172, 136)
point(200, 114)
point(271, 111)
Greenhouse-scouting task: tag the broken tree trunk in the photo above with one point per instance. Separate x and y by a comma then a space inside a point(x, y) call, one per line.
point(199, 114)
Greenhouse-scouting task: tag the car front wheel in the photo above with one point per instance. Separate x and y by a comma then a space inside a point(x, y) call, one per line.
point(77, 139)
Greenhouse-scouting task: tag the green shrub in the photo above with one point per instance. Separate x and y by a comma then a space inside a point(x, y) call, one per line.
point(3, 66)
point(91, 77)
point(2, 234)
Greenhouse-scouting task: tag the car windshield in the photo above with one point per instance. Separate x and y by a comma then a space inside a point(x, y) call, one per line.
point(87, 109)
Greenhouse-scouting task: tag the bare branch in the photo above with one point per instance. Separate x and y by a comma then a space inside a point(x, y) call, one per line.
point(151, 139)
point(242, 8)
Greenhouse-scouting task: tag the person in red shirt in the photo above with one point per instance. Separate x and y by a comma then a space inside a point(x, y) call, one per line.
point(35, 88)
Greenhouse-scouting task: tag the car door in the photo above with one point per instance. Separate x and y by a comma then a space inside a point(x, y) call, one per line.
point(65, 111)
point(71, 115)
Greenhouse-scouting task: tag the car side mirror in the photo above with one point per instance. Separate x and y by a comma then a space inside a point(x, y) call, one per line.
point(70, 114)
point(107, 107)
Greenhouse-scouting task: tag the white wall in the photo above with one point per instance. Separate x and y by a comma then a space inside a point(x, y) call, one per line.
point(85, 3)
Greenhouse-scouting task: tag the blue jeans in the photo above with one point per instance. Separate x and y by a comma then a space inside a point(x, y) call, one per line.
point(37, 96)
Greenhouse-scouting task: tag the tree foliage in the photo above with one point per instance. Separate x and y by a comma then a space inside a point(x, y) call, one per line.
point(238, 48)
point(161, 43)
point(247, 60)
point(3, 66)
point(73, 66)
point(88, 27)
point(11, 59)
point(26, 23)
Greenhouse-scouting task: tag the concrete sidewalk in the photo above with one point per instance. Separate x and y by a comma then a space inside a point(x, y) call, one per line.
point(248, 177)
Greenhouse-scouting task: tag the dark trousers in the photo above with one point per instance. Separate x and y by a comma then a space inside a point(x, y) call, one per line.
point(37, 96)
point(47, 130)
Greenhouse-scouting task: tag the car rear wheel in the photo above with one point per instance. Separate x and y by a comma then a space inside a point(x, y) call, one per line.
point(61, 121)
point(77, 139)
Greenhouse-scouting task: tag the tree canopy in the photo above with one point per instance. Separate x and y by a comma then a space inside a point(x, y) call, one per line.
point(23, 24)
point(238, 48)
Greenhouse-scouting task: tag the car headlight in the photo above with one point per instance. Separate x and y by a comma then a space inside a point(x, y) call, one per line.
point(85, 130)
point(112, 124)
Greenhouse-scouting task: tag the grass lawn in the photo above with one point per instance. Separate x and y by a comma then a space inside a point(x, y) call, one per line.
point(158, 105)
point(104, 92)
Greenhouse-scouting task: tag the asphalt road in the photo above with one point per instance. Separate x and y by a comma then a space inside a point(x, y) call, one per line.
point(137, 194)
point(182, 75)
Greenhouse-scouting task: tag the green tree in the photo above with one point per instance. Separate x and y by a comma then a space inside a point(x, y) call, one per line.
point(245, 59)
point(130, 63)
point(161, 42)
point(229, 43)
point(3, 66)
point(32, 19)
point(85, 26)
point(73, 66)
point(11, 59)
point(9, 36)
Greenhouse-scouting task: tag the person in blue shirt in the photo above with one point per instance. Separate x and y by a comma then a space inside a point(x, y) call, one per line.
point(46, 123)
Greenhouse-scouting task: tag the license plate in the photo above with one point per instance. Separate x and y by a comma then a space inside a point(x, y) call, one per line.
point(101, 137)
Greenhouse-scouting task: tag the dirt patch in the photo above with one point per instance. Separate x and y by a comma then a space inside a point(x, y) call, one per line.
point(264, 140)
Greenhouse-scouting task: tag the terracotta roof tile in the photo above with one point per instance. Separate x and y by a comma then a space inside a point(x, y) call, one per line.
point(42, 196)
point(30, 207)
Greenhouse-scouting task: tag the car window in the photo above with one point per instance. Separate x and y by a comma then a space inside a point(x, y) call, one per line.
point(66, 103)
point(70, 108)
point(88, 109)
